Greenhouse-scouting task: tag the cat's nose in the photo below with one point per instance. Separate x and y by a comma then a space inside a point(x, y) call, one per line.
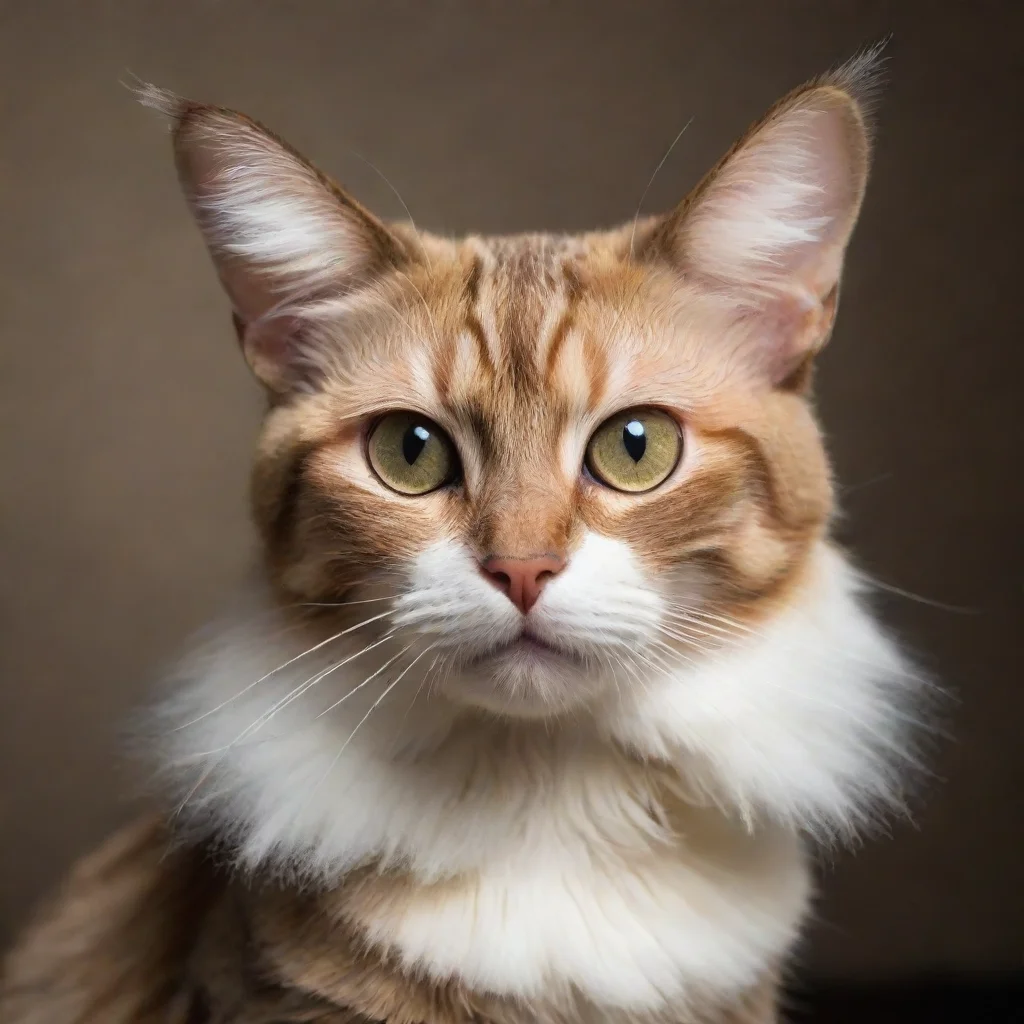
point(522, 579)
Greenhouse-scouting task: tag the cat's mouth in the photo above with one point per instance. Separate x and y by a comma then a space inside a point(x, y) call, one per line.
point(532, 642)
point(523, 676)
point(528, 646)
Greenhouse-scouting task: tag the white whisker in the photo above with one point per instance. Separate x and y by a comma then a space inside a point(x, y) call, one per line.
point(341, 604)
point(308, 684)
point(368, 679)
point(283, 665)
point(373, 707)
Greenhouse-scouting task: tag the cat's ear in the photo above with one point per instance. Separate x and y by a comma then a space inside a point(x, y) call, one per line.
point(770, 224)
point(280, 232)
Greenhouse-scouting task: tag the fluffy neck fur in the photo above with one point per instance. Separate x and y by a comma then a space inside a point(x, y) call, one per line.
point(632, 855)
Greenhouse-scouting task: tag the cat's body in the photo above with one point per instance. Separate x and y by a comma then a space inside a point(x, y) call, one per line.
point(554, 663)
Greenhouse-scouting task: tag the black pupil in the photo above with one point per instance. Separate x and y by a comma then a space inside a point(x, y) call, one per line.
point(415, 440)
point(634, 439)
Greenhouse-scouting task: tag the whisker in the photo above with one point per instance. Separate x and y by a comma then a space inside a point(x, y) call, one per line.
point(696, 617)
point(398, 195)
point(415, 697)
point(688, 639)
point(341, 604)
point(661, 163)
point(283, 665)
point(448, 665)
point(373, 707)
point(642, 668)
point(294, 694)
point(679, 655)
point(910, 596)
point(813, 698)
point(739, 629)
point(652, 660)
point(368, 679)
point(255, 726)
point(193, 790)
point(314, 680)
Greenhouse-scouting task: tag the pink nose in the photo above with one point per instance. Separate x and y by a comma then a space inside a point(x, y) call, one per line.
point(522, 579)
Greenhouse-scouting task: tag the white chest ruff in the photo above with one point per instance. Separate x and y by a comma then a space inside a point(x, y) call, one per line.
point(631, 934)
point(557, 861)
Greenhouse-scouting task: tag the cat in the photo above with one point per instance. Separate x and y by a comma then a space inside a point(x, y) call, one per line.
point(552, 673)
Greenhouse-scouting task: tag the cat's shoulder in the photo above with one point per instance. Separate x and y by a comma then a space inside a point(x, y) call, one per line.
point(109, 944)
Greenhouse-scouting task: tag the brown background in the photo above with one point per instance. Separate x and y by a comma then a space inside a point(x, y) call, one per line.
point(128, 418)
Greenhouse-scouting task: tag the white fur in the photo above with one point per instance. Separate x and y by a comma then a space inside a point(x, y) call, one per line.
point(256, 216)
point(600, 606)
point(772, 202)
point(637, 849)
point(803, 722)
point(776, 217)
point(631, 932)
point(265, 208)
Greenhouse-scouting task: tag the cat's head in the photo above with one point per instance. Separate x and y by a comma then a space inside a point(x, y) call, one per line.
point(550, 464)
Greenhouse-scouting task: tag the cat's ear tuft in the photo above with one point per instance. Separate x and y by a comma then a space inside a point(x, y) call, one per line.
point(770, 224)
point(280, 233)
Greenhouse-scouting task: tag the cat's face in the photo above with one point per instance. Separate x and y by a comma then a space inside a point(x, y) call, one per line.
point(551, 460)
point(543, 467)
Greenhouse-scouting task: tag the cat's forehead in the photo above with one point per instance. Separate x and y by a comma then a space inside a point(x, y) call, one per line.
point(523, 292)
point(528, 335)
point(515, 280)
point(533, 250)
point(520, 335)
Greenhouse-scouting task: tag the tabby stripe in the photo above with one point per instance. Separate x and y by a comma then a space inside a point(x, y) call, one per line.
point(476, 332)
point(752, 449)
point(558, 337)
point(283, 517)
point(473, 281)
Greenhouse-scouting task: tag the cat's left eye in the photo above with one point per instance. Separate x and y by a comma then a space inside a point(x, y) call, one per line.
point(635, 450)
point(411, 454)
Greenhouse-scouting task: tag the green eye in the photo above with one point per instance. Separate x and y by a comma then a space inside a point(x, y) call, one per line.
point(411, 454)
point(635, 450)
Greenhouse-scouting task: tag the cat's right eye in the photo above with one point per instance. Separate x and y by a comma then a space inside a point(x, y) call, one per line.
point(411, 454)
point(636, 450)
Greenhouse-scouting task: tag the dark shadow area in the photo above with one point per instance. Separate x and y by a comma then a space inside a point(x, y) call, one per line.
point(939, 1000)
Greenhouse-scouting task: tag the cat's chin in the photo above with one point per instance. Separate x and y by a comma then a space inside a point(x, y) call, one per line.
point(527, 678)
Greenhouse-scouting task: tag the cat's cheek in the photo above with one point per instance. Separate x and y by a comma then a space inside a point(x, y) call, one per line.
point(364, 516)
